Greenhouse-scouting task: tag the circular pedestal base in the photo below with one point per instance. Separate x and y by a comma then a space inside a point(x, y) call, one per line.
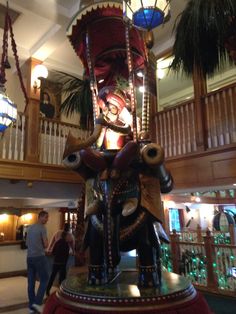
point(176, 295)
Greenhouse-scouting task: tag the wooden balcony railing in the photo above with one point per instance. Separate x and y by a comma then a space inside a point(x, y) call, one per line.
point(220, 117)
point(176, 127)
point(52, 139)
point(207, 264)
point(175, 130)
point(12, 144)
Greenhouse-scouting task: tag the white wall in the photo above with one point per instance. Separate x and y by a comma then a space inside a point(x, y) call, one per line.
point(200, 214)
point(14, 91)
point(12, 258)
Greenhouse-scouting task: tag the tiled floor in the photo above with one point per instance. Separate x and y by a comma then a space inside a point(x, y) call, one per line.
point(13, 293)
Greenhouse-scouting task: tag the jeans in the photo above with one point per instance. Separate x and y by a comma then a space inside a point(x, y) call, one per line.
point(37, 268)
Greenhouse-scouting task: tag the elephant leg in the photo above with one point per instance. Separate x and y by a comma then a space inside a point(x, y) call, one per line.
point(96, 270)
point(112, 248)
point(148, 274)
point(159, 264)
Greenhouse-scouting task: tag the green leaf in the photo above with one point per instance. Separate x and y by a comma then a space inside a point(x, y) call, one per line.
point(78, 97)
point(201, 31)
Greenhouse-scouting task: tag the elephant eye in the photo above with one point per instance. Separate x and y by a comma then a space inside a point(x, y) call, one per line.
point(72, 161)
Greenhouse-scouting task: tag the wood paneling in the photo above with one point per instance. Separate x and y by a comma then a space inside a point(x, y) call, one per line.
point(37, 171)
point(214, 168)
point(224, 168)
point(181, 175)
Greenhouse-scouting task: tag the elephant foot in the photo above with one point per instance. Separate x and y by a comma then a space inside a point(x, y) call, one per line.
point(96, 275)
point(148, 277)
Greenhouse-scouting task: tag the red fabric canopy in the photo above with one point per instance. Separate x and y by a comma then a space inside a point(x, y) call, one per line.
point(108, 45)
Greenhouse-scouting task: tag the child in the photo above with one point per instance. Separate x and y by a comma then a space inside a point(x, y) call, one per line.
point(61, 254)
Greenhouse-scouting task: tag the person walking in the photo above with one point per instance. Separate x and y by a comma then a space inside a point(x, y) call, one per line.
point(61, 254)
point(37, 266)
point(57, 236)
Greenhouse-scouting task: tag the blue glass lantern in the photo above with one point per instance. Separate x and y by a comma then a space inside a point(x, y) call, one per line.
point(8, 111)
point(146, 14)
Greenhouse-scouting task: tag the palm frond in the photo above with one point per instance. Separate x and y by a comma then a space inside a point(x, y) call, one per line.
point(78, 97)
point(200, 35)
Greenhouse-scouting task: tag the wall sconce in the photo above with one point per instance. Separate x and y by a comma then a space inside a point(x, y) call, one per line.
point(26, 218)
point(3, 218)
point(2, 235)
point(39, 71)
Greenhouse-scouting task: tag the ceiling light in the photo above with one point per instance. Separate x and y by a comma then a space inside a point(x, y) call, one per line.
point(146, 14)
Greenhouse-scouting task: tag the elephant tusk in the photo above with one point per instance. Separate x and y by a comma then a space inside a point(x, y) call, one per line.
point(73, 144)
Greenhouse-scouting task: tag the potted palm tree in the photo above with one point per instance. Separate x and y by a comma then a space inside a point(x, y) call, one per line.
point(205, 36)
point(78, 98)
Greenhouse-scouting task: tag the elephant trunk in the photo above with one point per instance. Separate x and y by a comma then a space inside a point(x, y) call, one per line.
point(73, 144)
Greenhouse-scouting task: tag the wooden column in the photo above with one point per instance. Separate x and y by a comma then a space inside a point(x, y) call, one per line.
point(175, 251)
point(32, 115)
point(200, 89)
point(211, 277)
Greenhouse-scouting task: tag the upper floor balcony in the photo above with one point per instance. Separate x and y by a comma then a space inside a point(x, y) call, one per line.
point(198, 136)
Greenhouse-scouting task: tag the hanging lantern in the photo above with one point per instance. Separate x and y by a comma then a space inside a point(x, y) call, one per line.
point(8, 112)
point(146, 14)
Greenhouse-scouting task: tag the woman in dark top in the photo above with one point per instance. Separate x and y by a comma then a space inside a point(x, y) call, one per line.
point(61, 254)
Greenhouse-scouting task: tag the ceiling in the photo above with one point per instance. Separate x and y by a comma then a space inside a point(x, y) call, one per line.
point(40, 32)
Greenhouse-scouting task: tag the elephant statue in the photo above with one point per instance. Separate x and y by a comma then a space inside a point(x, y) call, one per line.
point(124, 213)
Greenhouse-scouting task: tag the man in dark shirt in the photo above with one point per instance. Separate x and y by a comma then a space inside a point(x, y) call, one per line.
point(61, 254)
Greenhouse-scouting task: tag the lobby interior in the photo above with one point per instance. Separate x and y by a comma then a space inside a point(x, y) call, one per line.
point(192, 118)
